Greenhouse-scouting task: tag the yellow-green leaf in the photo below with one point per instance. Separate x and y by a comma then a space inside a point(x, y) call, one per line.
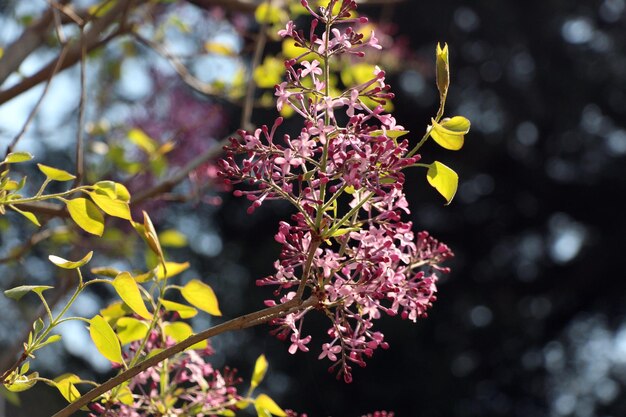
point(200, 295)
point(151, 237)
point(55, 173)
point(268, 13)
point(122, 192)
point(23, 382)
point(444, 179)
point(269, 73)
point(130, 329)
point(86, 215)
point(180, 331)
point(105, 339)
point(172, 238)
point(128, 290)
point(450, 133)
point(111, 206)
point(18, 292)
point(443, 70)
point(172, 268)
point(65, 264)
point(260, 368)
point(30, 216)
point(114, 310)
point(392, 134)
point(264, 405)
point(183, 310)
point(65, 385)
point(124, 395)
point(143, 141)
point(17, 157)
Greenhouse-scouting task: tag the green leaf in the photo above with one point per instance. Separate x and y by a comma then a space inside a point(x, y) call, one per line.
point(444, 179)
point(130, 329)
point(172, 238)
point(450, 134)
point(267, 13)
point(443, 70)
point(200, 295)
point(260, 368)
point(183, 310)
point(129, 292)
point(106, 271)
point(151, 237)
point(30, 216)
point(17, 157)
point(143, 141)
point(86, 215)
point(105, 339)
point(55, 173)
point(65, 385)
point(265, 407)
point(172, 268)
point(180, 331)
point(52, 339)
point(122, 192)
point(111, 206)
point(114, 190)
point(65, 264)
point(114, 310)
point(23, 382)
point(124, 395)
point(391, 134)
point(18, 292)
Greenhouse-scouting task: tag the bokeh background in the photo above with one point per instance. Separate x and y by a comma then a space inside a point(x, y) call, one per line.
point(531, 320)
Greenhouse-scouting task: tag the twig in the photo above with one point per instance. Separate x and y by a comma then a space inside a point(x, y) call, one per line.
point(182, 174)
point(187, 77)
point(92, 40)
point(248, 104)
point(35, 109)
point(81, 113)
point(241, 322)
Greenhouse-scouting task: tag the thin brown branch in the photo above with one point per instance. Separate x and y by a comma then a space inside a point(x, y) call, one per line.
point(248, 104)
point(35, 109)
point(239, 323)
point(183, 173)
point(93, 39)
point(81, 114)
point(187, 77)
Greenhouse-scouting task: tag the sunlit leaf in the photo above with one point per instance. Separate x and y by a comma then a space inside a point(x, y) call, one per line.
point(443, 70)
point(106, 271)
point(23, 382)
point(122, 192)
point(172, 268)
point(200, 295)
point(183, 310)
point(110, 206)
point(115, 310)
point(218, 48)
point(105, 339)
point(450, 133)
point(17, 157)
point(52, 339)
point(269, 73)
point(18, 292)
point(180, 331)
point(143, 141)
point(65, 264)
point(268, 13)
point(129, 292)
point(30, 216)
point(172, 238)
point(124, 395)
point(151, 237)
point(130, 329)
point(260, 368)
point(65, 385)
point(86, 215)
point(55, 173)
point(444, 179)
point(392, 134)
point(265, 407)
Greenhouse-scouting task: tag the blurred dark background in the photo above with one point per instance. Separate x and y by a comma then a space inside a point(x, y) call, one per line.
point(531, 320)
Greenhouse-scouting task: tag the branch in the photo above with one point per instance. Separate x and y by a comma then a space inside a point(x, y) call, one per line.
point(241, 322)
point(187, 77)
point(180, 175)
point(90, 40)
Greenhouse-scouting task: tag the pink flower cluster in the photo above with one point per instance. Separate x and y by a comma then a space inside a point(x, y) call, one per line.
point(347, 245)
point(184, 385)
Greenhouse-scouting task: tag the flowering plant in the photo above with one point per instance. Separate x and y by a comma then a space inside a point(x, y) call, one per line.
point(347, 247)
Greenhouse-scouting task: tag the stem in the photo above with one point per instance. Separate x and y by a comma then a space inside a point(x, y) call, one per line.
point(349, 214)
point(238, 323)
